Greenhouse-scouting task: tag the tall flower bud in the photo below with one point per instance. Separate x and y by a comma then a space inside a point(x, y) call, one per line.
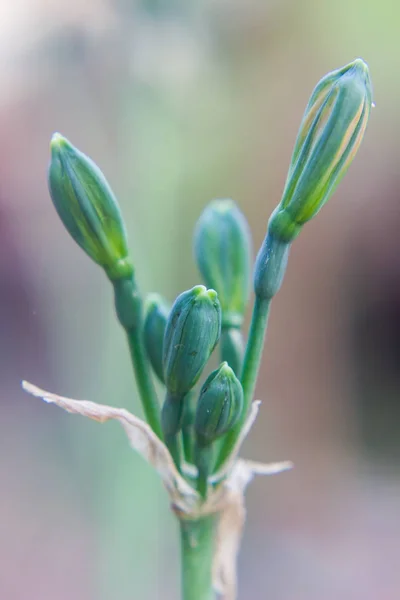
point(87, 206)
point(222, 249)
point(330, 134)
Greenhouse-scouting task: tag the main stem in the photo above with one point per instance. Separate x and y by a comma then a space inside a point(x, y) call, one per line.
point(251, 366)
point(197, 550)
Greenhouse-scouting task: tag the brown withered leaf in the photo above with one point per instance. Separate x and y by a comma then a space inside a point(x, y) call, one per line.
point(232, 516)
point(226, 500)
point(140, 435)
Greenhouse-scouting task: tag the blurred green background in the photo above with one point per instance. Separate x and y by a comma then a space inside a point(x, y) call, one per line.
point(180, 102)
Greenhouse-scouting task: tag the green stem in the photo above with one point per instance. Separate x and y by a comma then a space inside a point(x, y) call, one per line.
point(232, 348)
point(204, 461)
point(171, 423)
point(144, 382)
point(251, 365)
point(254, 350)
point(187, 427)
point(269, 271)
point(173, 444)
point(197, 549)
point(129, 307)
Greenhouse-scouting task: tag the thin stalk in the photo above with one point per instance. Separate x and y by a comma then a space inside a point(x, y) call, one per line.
point(251, 366)
point(254, 350)
point(232, 348)
point(204, 461)
point(173, 444)
point(129, 308)
point(197, 550)
point(144, 382)
point(187, 427)
point(171, 424)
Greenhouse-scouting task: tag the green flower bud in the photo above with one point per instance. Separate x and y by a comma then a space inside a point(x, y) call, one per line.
point(219, 406)
point(192, 332)
point(330, 134)
point(222, 248)
point(87, 207)
point(155, 322)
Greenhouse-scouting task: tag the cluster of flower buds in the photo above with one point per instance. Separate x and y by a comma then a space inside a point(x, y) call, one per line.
point(178, 343)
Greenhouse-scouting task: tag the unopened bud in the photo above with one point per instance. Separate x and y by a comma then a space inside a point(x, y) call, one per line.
point(330, 134)
point(87, 206)
point(219, 406)
point(155, 322)
point(222, 248)
point(192, 332)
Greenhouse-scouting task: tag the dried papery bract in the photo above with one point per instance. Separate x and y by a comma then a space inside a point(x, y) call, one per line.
point(225, 503)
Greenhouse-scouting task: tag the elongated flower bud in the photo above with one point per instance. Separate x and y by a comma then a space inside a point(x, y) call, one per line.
point(222, 248)
point(155, 322)
point(86, 205)
point(192, 332)
point(330, 134)
point(219, 406)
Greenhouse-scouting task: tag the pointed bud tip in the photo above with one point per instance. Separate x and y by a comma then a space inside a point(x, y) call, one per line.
point(360, 64)
point(212, 295)
point(225, 369)
point(57, 140)
point(222, 205)
point(360, 67)
point(152, 301)
point(200, 290)
point(58, 143)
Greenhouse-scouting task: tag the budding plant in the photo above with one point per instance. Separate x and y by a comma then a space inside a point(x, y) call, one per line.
point(192, 436)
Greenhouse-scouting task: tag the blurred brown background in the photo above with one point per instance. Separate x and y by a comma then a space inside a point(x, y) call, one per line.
point(180, 102)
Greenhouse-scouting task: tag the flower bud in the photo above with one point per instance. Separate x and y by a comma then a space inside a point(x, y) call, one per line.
point(86, 205)
point(192, 332)
point(155, 321)
point(330, 134)
point(219, 406)
point(222, 248)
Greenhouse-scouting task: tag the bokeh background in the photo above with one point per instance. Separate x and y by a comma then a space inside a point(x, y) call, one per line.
point(182, 101)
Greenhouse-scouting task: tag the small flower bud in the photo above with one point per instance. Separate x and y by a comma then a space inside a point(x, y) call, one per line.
point(192, 332)
point(219, 406)
point(86, 205)
point(222, 248)
point(330, 134)
point(155, 321)
point(270, 266)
